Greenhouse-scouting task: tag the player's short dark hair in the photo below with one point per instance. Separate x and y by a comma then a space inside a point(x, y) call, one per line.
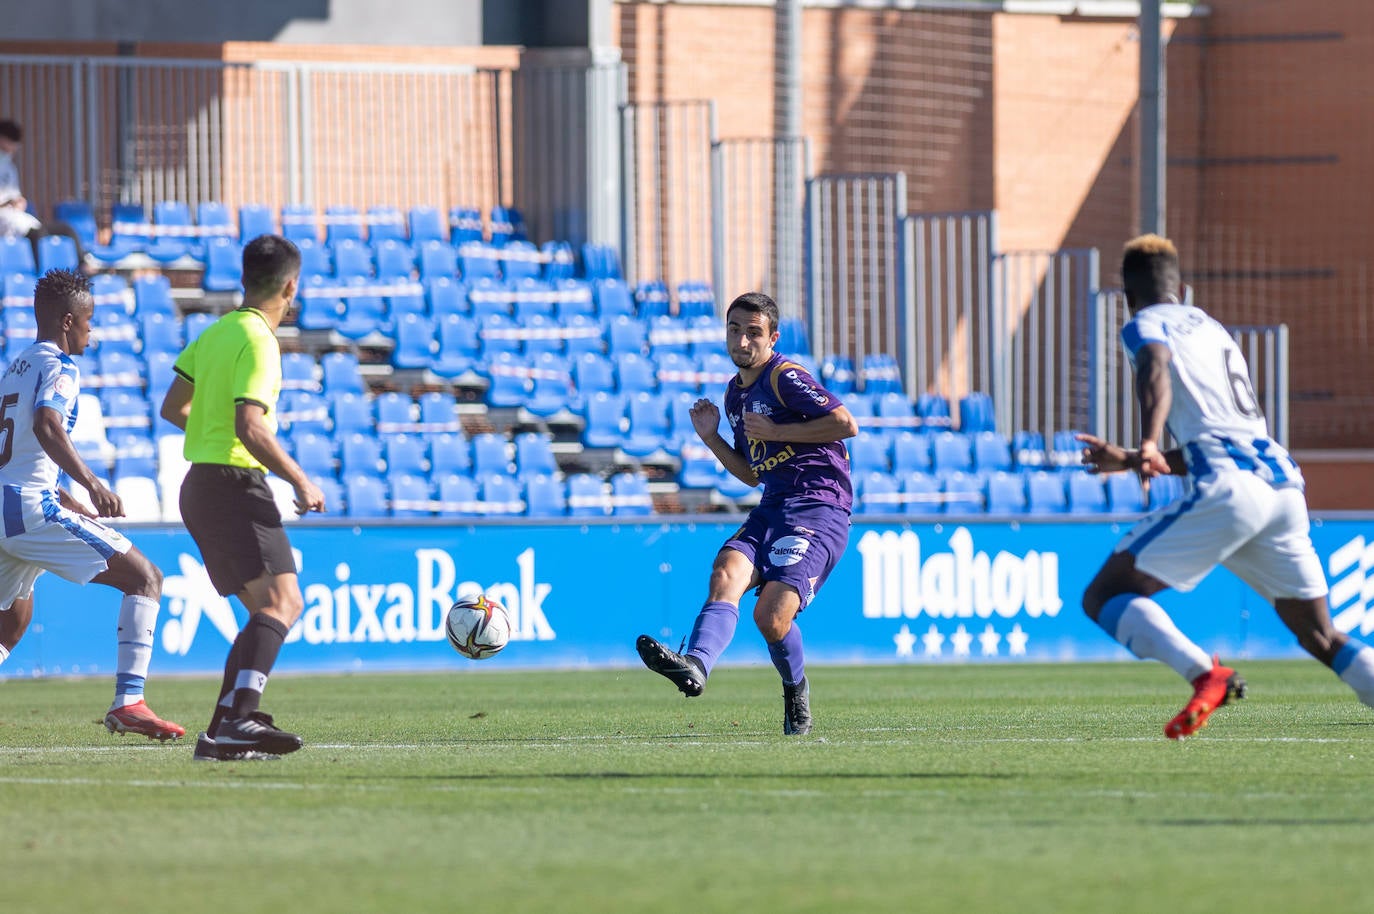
point(1149, 268)
point(269, 262)
point(757, 303)
point(11, 131)
point(58, 292)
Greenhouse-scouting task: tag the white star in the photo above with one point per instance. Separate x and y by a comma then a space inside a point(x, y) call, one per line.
point(933, 641)
point(904, 640)
point(1016, 641)
point(989, 639)
point(961, 640)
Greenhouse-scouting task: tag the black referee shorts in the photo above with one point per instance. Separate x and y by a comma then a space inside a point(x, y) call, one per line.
point(232, 516)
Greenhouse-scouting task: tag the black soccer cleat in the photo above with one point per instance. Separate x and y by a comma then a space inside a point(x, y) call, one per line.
point(207, 750)
point(796, 708)
point(255, 733)
point(683, 672)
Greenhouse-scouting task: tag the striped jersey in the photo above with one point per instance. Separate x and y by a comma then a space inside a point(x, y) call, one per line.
point(1214, 414)
point(42, 375)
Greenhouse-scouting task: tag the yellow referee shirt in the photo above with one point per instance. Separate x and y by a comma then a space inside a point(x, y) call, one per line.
point(235, 360)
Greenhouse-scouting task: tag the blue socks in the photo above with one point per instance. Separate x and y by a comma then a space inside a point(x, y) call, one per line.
point(787, 656)
point(711, 634)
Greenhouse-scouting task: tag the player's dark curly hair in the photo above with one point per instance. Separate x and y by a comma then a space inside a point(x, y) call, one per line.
point(757, 303)
point(269, 261)
point(1149, 269)
point(58, 291)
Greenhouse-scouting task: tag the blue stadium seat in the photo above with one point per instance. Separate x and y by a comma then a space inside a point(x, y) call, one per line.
point(837, 374)
point(450, 454)
point(395, 413)
point(922, 493)
point(700, 468)
point(678, 373)
point(668, 334)
point(415, 342)
point(630, 496)
point(582, 334)
point(153, 295)
point(1087, 494)
point(360, 454)
point(409, 496)
point(881, 374)
point(406, 455)
point(652, 300)
point(342, 223)
point(695, 299)
point(122, 371)
point(551, 388)
point(628, 334)
point(593, 373)
point(1165, 490)
point(216, 221)
point(964, 493)
point(545, 496)
point(489, 298)
point(56, 252)
point(1124, 494)
point(302, 412)
point(952, 452)
point(351, 259)
point(545, 335)
point(427, 224)
point(975, 414)
point(385, 223)
point(635, 373)
point(478, 261)
point(521, 260)
point(510, 383)
point(878, 493)
point(447, 296)
point(298, 371)
point(612, 299)
point(708, 338)
point(459, 347)
point(1066, 452)
point(161, 333)
point(1028, 449)
point(363, 311)
point(507, 225)
point(648, 431)
point(254, 220)
point(894, 410)
point(351, 412)
point(501, 496)
point(490, 455)
point(792, 338)
point(125, 410)
point(600, 261)
point(1045, 493)
point(341, 373)
point(366, 496)
point(680, 430)
point(315, 259)
point(299, 223)
point(79, 215)
point(605, 420)
point(334, 502)
point(223, 266)
point(404, 297)
point(933, 411)
point(394, 259)
point(171, 247)
point(1006, 493)
point(534, 455)
point(560, 264)
point(910, 454)
point(458, 497)
point(868, 453)
point(991, 452)
point(321, 307)
point(465, 225)
point(135, 453)
point(439, 414)
point(438, 260)
point(573, 297)
point(315, 454)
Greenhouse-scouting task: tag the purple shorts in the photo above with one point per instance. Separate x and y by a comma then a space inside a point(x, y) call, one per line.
point(795, 544)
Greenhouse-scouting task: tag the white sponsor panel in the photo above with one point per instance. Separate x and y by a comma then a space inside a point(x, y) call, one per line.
point(1351, 570)
point(788, 550)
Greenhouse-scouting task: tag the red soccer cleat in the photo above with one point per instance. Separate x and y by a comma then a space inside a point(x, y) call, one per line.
point(139, 718)
point(1211, 690)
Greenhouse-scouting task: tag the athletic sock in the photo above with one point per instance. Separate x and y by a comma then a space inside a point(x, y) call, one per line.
point(262, 639)
point(226, 687)
point(137, 619)
point(1143, 627)
point(711, 634)
point(1354, 663)
point(787, 656)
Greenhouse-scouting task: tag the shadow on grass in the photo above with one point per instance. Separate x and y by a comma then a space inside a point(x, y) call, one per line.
point(693, 776)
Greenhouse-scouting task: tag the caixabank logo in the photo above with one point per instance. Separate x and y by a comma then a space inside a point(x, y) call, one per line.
point(345, 610)
point(1350, 569)
point(972, 598)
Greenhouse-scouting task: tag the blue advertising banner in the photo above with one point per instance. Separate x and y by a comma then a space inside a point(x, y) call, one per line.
point(376, 597)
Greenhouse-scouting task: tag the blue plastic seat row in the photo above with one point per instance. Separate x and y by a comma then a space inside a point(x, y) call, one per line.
point(1009, 494)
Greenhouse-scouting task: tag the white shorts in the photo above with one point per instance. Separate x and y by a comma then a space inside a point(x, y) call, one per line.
point(1236, 520)
point(67, 544)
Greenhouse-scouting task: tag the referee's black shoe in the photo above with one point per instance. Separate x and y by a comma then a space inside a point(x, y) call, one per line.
point(684, 672)
point(255, 733)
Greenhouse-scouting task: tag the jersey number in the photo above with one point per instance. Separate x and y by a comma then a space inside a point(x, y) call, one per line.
point(1242, 393)
point(7, 428)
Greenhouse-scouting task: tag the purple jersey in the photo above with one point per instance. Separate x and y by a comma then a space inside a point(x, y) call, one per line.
point(786, 393)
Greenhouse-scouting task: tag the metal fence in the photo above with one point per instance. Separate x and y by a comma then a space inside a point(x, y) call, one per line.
point(142, 130)
point(667, 200)
point(854, 289)
point(759, 192)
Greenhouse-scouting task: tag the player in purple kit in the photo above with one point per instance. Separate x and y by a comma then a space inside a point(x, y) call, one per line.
point(788, 433)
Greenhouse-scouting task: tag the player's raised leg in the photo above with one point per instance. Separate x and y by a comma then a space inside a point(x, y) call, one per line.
point(14, 621)
point(1119, 600)
point(775, 614)
point(731, 575)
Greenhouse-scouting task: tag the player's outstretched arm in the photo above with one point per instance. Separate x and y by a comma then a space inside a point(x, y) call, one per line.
point(1101, 456)
point(176, 405)
point(250, 424)
point(50, 428)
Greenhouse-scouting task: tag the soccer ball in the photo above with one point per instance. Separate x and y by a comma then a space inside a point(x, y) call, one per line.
point(478, 626)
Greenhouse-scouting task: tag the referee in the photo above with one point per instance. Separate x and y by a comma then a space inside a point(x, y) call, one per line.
point(224, 397)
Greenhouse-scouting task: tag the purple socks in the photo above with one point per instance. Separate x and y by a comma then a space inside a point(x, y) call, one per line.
point(787, 656)
point(711, 634)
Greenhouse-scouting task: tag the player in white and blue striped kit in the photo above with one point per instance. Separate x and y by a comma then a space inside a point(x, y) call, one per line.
point(1244, 508)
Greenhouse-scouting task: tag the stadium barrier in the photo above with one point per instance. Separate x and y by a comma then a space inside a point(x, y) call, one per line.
point(954, 591)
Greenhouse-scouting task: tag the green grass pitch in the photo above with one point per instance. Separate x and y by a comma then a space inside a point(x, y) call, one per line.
point(976, 788)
